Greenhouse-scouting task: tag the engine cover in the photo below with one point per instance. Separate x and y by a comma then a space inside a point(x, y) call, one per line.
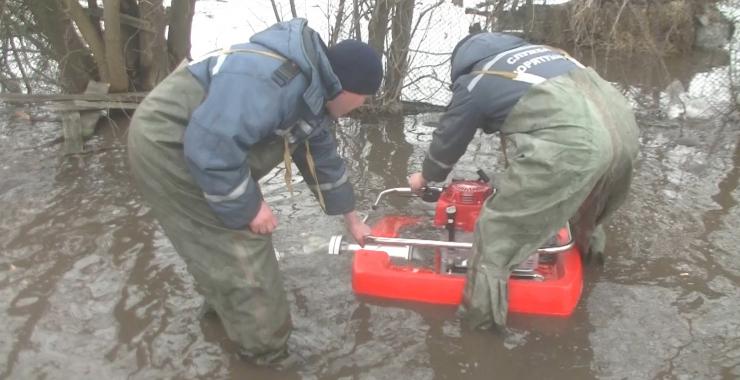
point(468, 198)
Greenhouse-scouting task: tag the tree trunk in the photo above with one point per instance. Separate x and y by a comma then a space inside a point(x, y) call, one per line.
point(121, 42)
point(178, 38)
point(275, 10)
point(76, 64)
point(398, 54)
point(498, 11)
point(292, 9)
point(90, 35)
point(378, 26)
point(113, 45)
point(356, 19)
point(153, 59)
point(95, 11)
point(130, 41)
point(338, 22)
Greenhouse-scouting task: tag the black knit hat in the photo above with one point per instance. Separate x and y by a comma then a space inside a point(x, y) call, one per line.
point(357, 66)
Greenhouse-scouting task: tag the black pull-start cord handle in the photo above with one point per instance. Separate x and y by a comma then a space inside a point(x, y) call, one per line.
point(483, 177)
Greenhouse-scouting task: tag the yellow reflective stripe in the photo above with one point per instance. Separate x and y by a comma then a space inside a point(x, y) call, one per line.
point(521, 77)
point(312, 168)
point(512, 75)
point(504, 74)
point(495, 59)
point(224, 53)
point(288, 165)
point(255, 51)
point(566, 55)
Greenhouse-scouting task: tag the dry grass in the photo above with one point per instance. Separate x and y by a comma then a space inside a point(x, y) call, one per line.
point(662, 27)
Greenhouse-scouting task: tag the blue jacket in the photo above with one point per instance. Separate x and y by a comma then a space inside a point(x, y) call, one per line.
point(483, 101)
point(275, 85)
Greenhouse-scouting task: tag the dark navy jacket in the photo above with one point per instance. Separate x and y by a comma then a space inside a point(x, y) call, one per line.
point(248, 101)
point(482, 100)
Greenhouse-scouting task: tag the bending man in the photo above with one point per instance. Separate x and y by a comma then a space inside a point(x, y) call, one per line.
point(573, 141)
point(202, 139)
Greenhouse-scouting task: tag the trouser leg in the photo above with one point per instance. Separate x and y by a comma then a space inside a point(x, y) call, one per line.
point(236, 270)
point(551, 174)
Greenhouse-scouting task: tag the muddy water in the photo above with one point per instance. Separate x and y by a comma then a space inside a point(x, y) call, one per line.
point(91, 288)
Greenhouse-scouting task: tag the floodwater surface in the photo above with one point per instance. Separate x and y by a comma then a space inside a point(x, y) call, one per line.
point(91, 288)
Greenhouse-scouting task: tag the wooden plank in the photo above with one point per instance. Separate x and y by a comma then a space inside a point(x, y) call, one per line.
point(89, 119)
point(83, 105)
point(40, 98)
point(94, 87)
point(73, 143)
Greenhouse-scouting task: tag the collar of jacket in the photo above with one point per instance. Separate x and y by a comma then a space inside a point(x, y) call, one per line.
point(296, 41)
point(476, 48)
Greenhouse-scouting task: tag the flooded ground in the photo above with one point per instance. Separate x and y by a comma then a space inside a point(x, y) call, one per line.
point(91, 288)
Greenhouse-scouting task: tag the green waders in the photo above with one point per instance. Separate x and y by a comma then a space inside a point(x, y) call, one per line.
point(574, 143)
point(236, 270)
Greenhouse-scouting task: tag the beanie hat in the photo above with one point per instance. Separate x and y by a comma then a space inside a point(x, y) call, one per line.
point(357, 66)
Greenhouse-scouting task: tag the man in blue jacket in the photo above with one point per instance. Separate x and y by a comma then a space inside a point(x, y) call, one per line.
point(203, 137)
point(573, 144)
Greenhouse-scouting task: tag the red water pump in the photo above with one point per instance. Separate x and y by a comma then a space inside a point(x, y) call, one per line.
point(464, 199)
point(388, 266)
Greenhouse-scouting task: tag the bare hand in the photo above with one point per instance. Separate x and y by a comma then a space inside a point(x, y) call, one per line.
point(265, 222)
point(417, 182)
point(356, 227)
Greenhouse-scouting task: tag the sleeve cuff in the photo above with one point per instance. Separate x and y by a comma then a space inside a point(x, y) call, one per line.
point(238, 213)
point(433, 172)
point(340, 200)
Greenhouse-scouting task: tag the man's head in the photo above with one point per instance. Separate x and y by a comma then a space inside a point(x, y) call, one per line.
point(360, 71)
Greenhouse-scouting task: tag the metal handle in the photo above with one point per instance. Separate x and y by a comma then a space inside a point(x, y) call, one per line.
point(401, 247)
point(418, 242)
point(337, 246)
point(559, 249)
point(400, 190)
point(451, 244)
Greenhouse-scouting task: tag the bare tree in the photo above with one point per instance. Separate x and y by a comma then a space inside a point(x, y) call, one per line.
point(180, 25)
point(378, 26)
point(292, 9)
point(113, 46)
point(49, 29)
point(153, 58)
point(356, 20)
point(338, 22)
point(275, 10)
point(121, 42)
point(403, 15)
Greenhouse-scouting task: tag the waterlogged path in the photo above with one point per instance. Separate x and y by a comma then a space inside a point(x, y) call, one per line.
point(91, 288)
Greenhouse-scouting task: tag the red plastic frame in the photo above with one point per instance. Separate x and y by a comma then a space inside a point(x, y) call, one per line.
point(374, 274)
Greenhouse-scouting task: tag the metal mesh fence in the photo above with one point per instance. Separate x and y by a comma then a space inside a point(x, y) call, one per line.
point(703, 86)
point(438, 28)
point(711, 91)
point(731, 9)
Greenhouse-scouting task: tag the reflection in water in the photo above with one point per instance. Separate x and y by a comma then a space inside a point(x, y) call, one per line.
point(93, 289)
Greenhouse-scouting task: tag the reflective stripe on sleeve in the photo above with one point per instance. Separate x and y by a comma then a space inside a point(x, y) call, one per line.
point(331, 186)
point(234, 194)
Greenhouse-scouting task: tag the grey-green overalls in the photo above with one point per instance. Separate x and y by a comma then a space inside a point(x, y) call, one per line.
point(574, 141)
point(236, 270)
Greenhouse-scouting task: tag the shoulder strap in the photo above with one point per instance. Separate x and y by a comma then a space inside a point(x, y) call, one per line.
point(282, 75)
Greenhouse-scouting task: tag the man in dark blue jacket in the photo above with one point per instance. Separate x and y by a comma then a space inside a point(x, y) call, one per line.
point(573, 141)
point(203, 137)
